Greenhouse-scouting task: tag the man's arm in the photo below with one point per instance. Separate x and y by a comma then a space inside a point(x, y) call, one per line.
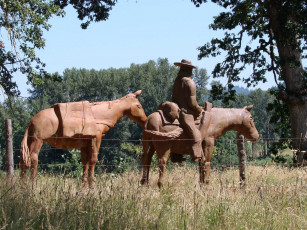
point(191, 95)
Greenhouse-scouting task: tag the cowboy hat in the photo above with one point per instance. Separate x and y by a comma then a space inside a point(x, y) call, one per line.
point(184, 63)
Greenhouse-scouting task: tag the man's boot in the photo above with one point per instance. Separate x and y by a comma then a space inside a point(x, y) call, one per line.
point(197, 152)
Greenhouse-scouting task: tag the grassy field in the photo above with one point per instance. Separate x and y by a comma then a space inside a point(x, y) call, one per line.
point(274, 198)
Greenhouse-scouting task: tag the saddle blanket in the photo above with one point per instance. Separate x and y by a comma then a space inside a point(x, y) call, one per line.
point(75, 118)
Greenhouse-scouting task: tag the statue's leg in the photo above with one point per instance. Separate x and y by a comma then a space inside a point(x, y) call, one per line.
point(148, 151)
point(23, 170)
point(208, 150)
point(92, 164)
point(34, 148)
point(188, 123)
point(202, 167)
point(197, 151)
point(207, 171)
point(93, 158)
point(163, 154)
point(85, 163)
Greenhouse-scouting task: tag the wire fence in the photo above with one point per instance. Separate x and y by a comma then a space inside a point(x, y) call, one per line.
point(256, 149)
point(262, 140)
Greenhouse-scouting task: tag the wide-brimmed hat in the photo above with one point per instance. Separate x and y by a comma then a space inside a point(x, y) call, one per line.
point(185, 63)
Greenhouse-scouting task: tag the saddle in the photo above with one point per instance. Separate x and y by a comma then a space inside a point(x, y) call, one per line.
point(75, 118)
point(169, 117)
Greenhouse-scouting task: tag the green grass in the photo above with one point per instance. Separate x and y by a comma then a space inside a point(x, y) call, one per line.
point(274, 198)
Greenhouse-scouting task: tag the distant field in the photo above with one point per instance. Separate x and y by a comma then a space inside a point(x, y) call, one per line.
point(274, 198)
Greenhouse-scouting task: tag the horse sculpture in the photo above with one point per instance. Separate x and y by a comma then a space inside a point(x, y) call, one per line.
point(64, 128)
point(168, 138)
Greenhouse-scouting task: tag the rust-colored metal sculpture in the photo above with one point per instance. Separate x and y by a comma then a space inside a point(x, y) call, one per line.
point(77, 125)
point(163, 134)
point(184, 95)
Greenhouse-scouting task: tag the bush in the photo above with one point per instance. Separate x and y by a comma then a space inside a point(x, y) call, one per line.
point(283, 159)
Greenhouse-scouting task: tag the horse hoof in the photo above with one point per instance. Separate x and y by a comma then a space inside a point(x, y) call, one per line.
point(160, 185)
point(197, 159)
point(144, 182)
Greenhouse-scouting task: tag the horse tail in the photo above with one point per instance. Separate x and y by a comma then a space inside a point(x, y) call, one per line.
point(25, 153)
point(169, 135)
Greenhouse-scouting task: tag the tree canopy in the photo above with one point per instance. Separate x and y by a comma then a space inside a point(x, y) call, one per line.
point(23, 24)
point(277, 33)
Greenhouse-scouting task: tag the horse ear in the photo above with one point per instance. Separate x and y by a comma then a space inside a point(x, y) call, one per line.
point(137, 93)
point(248, 107)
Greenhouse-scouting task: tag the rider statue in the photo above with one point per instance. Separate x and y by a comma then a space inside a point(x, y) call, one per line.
point(184, 95)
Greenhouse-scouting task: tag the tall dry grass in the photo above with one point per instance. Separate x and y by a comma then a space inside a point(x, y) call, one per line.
point(274, 198)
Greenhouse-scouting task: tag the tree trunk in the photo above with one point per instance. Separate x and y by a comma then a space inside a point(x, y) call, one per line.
point(292, 72)
point(9, 149)
point(298, 130)
point(267, 141)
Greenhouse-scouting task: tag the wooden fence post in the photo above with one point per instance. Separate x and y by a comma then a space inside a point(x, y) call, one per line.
point(9, 149)
point(242, 157)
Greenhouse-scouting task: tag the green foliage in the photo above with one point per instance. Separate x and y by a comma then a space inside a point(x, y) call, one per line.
point(16, 110)
point(73, 162)
point(276, 47)
point(252, 19)
point(283, 159)
point(281, 120)
point(224, 160)
point(24, 23)
point(131, 157)
point(225, 150)
point(262, 161)
point(89, 10)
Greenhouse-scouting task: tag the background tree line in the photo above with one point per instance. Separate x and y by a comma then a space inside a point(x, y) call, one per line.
point(121, 147)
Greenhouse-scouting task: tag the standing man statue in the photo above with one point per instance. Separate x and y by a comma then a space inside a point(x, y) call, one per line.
point(184, 95)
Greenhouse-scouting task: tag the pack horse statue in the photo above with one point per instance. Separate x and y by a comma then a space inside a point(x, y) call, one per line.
point(77, 125)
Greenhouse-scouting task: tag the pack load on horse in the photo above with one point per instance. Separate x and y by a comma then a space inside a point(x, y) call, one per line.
point(77, 125)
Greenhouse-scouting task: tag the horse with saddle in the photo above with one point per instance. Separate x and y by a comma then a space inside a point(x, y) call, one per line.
point(164, 135)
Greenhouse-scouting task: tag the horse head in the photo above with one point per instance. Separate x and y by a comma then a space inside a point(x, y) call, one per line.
point(136, 111)
point(248, 128)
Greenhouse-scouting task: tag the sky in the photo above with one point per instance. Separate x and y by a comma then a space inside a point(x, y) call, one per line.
point(137, 31)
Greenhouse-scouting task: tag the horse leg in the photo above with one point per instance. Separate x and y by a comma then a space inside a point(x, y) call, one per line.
point(207, 171)
point(85, 163)
point(202, 170)
point(163, 156)
point(34, 148)
point(148, 151)
point(23, 170)
point(93, 158)
point(208, 150)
